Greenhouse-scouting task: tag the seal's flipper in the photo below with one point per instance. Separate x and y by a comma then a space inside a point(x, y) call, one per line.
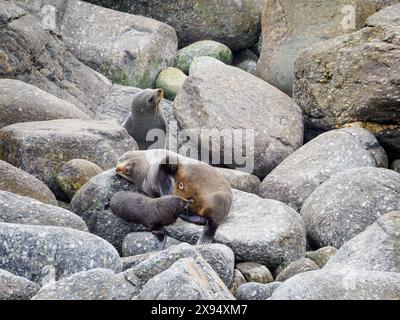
point(166, 173)
point(161, 237)
point(207, 235)
point(194, 219)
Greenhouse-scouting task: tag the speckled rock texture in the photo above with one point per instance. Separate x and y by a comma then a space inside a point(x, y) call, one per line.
point(293, 181)
point(43, 254)
point(296, 267)
point(13, 287)
point(255, 272)
point(256, 291)
point(322, 255)
point(343, 206)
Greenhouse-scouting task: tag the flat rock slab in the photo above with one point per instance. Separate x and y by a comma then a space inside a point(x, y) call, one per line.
point(13, 287)
point(20, 182)
point(23, 210)
point(41, 148)
point(257, 230)
point(344, 205)
point(293, 181)
point(43, 254)
point(340, 285)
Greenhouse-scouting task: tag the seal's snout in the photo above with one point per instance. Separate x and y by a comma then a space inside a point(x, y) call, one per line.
point(119, 169)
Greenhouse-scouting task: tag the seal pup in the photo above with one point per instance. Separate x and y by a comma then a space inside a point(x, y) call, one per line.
point(146, 115)
point(154, 214)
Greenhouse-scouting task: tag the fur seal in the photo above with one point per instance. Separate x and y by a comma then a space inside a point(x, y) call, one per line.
point(146, 115)
point(162, 172)
point(154, 214)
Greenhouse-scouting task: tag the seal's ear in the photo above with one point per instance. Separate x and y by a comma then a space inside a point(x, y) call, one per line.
point(167, 170)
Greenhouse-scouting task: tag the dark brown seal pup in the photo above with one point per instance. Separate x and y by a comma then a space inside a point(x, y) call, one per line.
point(154, 214)
point(146, 115)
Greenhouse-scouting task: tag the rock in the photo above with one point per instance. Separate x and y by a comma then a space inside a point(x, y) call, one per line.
point(58, 141)
point(299, 266)
point(255, 272)
point(220, 258)
point(344, 205)
point(17, 181)
point(236, 24)
point(137, 243)
point(23, 210)
point(340, 285)
point(96, 284)
point(92, 202)
point(74, 174)
point(186, 279)
point(381, 4)
point(387, 16)
point(257, 230)
point(171, 81)
point(22, 102)
point(45, 253)
point(33, 55)
point(364, 63)
point(130, 262)
point(293, 181)
point(289, 27)
point(13, 287)
point(396, 166)
point(256, 291)
point(375, 249)
point(241, 180)
point(207, 48)
point(237, 281)
point(321, 256)
point(129, 50)
point(200, 62)
point(214, 98)
point(246, 60)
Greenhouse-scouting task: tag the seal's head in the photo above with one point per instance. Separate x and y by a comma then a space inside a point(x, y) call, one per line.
point(131, 166)
point(147, 100)
point(174, 205)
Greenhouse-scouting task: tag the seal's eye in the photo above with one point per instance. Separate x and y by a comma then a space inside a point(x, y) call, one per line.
point(180, 186)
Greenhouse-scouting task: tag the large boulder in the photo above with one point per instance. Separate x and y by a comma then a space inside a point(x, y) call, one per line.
point(291, 26)
point(45, 253)
point(96, 284)
point(381, 4)
point(340, 285)
point(128, 49)
point(256, 291)
point(22, 102)
point(353, 80)
point(92, 203)
point(23, 210)
point(299, 266)
point(41, 148)
point(13, 287)
point(293, 181)
point(234, 23)
point(344, 205)
point(18, 181)
point(237, 104)
point(257, 230)
point(375, 249)
point(39, 57)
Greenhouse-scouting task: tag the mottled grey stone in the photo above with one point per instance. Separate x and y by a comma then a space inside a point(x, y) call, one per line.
point(344, 205)
point(237, 280)
point(58, 141)
point(389, 15)
point(321, 256)
point(340, 285)
point(186, 279)
point(293, 181)
point(45, 253)
point(255, 272)
point(201, 62)
point(13, 287)
point(23, 210)
point(246, 60)
point(396, 166)
point(256, 291)
point(256, 229)
point(241, 180)
point(375, 249)
point(96, 284)
point(299, 266)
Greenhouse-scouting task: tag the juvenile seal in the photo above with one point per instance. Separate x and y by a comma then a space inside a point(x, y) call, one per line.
point(154, 214)
point(146, 115)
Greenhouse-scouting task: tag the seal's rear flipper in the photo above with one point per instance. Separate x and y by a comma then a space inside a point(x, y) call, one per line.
point(161, 237)
point(194, 219)
point(207, 235)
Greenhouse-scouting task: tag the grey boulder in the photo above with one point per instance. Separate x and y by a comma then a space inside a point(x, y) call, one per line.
point(255, 272)
point(296, 267)
point(322, 255)
point(13, 287)
point(256, 291)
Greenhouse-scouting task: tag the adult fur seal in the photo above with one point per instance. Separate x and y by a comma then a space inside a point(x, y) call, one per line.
point(154, 214)
point(146, 115)
point(162, 172)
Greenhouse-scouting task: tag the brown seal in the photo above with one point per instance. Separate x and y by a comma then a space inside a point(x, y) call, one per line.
point(154, 214)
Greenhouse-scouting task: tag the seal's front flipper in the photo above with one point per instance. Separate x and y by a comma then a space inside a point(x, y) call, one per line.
point(194, 219)
point(161, 237)
point(207, 235)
